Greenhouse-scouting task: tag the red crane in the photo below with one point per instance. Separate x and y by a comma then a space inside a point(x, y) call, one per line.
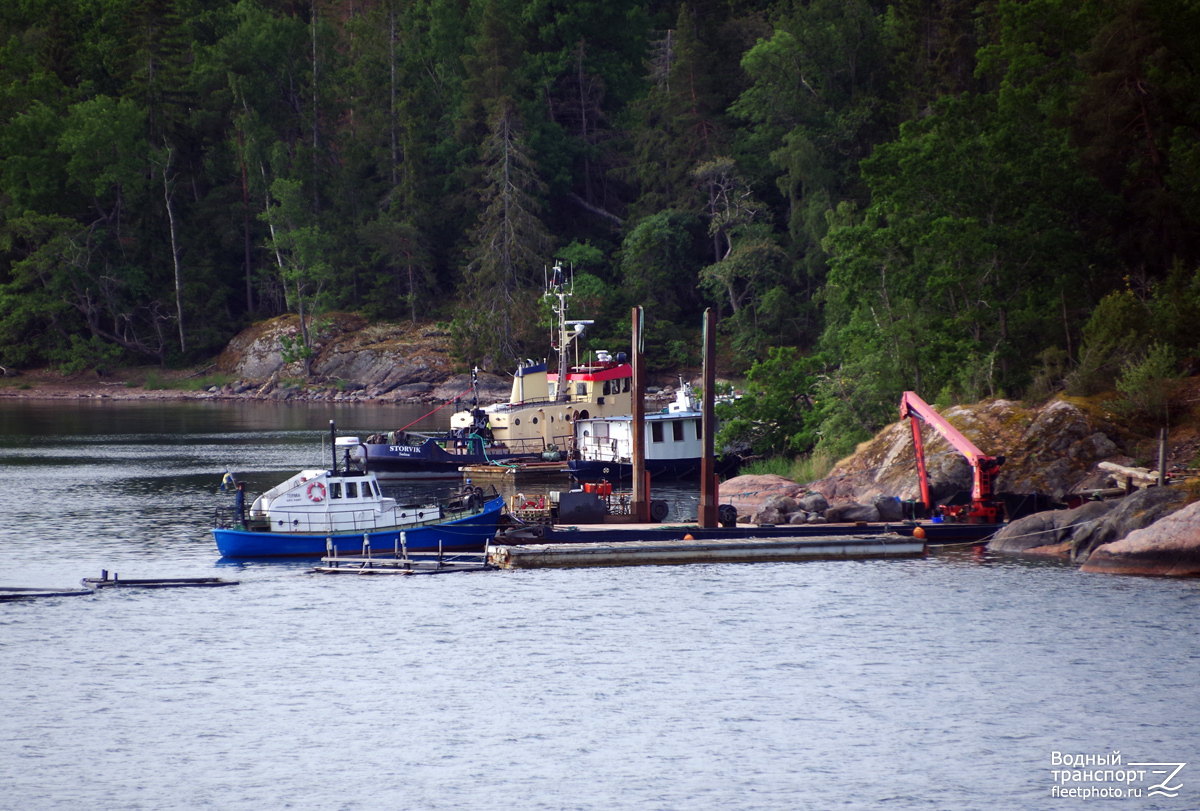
point(985, 508)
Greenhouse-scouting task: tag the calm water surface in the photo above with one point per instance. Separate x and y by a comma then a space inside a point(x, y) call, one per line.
point(943, 683)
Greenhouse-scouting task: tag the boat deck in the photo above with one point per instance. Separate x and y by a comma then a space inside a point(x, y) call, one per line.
point(431, 564)
point(620, 529)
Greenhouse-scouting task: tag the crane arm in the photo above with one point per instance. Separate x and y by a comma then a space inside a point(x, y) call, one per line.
point(983, 466)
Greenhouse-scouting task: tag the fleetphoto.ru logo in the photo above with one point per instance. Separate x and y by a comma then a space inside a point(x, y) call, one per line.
point(1105, 776)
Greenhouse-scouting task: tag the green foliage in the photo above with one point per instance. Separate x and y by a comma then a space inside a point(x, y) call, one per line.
point(660, 260)
point(926, 196)
point(1146, 384)
point(776, 412)
point(1120, 330)
point(156, 382)
point(89, 355)
point(801, 469)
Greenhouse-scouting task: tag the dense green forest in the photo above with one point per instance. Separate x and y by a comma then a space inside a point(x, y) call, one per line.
point(963, 198)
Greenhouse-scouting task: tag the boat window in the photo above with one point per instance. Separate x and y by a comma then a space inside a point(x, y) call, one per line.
point(535, 420)
point(677, 431)
point(607, 387)
point(581, 389)
point(583, 415)
point(656, 432)
point(699, 429)
point(351, 490)
point(367, 493)
point(335, 489)
point(602, 429)
point(625, 387)
point(517, 421)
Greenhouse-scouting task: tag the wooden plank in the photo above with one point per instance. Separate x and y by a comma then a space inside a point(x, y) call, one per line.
point(1139, 473)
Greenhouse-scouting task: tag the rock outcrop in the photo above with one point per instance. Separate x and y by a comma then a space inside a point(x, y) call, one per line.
point(1049, 533)
point(377, 360)
point(1049, 449)
point(1135, 511)
point(1169, 546)
point(1076, 534)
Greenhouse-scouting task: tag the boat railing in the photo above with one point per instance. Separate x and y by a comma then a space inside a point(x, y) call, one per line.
point(526, 445)
point(460, 505)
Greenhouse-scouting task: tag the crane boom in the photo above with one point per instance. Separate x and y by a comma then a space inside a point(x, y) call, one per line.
point(985, 509)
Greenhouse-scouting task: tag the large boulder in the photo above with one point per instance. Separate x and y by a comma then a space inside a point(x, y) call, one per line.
point(849, 512)
point(1136, 511)
point(780, 501)
point(776, 509)
point(813, 503)
point(1169, 546)
point(889, 508)
point(1047, 533)
point(748, 493)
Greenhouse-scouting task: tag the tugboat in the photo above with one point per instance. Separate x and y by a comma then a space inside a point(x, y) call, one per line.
point(535, 424)
point(316, 511)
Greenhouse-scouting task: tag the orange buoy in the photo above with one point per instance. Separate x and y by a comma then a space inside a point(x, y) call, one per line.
point(688, 537)
point(919, 533)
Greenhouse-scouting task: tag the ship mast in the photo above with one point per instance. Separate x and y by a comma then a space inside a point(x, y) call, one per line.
point(568, 331)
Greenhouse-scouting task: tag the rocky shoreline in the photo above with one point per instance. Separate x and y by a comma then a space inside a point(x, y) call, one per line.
point(1053, 449)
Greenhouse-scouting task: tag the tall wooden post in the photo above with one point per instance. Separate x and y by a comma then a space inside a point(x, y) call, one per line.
point(708, 425)
point(641, 496)
point(1162, 457)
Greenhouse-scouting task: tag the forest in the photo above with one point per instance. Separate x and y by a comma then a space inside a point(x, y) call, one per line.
point(967, 198)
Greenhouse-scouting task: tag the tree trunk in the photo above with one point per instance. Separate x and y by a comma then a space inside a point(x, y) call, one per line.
point(316, 141)
point(392, 109)
point(246, 223)
point(169, 195)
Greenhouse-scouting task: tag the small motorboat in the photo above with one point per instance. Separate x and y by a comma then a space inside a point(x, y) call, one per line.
point(319, 512)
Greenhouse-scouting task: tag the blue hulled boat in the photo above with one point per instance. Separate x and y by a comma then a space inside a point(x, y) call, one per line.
point(318, 509)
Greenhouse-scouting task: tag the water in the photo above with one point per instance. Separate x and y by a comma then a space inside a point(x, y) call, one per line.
point(943, 683)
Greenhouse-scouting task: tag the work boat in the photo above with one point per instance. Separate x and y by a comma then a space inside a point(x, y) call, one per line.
point(534, 424)
point(674, 443)
point(317, 511)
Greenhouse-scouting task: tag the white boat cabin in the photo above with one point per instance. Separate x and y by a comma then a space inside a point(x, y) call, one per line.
point(335, 501)
point(674, 433)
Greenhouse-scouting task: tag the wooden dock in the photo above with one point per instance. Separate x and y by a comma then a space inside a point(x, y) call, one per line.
point(743, 550)
point(404, 565)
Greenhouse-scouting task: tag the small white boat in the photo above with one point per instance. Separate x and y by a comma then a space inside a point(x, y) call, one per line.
point(316, 509)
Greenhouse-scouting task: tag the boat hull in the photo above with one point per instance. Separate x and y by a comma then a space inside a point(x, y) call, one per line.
point(470, 533)
point(431, 461)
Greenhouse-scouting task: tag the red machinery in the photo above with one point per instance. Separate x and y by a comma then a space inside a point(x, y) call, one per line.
point(984, 508)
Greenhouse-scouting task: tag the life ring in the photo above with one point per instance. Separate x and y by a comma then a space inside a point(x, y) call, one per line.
point(316, 492)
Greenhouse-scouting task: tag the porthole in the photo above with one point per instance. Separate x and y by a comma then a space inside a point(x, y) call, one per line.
point(535, 420)
point(517, 421)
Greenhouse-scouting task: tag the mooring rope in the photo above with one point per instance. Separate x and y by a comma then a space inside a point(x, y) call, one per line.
point(436, 410)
